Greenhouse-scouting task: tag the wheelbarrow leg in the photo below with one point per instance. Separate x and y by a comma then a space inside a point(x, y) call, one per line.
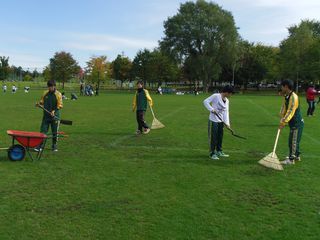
point(43, 148)
point(30, 155)
point(28, 150)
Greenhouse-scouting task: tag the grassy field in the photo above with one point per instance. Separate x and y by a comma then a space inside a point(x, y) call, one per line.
point(106, 183)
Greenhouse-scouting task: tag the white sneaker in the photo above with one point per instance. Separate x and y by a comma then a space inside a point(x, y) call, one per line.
point(295, 158)
point(214, 157)
point(146, 130)
point(222, 154)
point(287, 162)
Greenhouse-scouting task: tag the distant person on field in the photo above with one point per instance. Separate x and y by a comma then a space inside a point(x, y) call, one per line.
point(140, 104)
point(26, 89)
point(51, 100)
point(291, 115)
point(64, 97)
point(195, 91)
point(311, 100)
point(4, 88)
point(131, 85)
point(74, 96)
point(87, 90)
point(218, 104)
point(81, 89)
point(97, 90)
point(159, 90)
point(14, 89)
point(91, 91)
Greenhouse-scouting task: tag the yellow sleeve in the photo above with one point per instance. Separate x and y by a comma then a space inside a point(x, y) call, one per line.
point(59, 100)
point(149, 98)
point(42, 97)
point(134, 102)
point(293, 105)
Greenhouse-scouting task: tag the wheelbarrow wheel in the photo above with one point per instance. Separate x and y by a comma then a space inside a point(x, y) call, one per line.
point(16, 152)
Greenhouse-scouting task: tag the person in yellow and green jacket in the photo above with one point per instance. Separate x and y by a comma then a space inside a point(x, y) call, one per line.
point(291, 115)
point(140, 104)
point(51, 100)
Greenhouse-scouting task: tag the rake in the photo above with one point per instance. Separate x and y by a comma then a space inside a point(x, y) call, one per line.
point(271, 160)
point(61, 121)
point(230, 129)
point(156, 124)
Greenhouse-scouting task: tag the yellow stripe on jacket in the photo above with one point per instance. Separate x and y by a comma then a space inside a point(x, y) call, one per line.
point(148, 98)
point(134, 102)
point(58, 96)
point(287, 114)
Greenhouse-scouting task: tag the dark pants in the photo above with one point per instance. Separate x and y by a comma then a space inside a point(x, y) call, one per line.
point(46, 123)
point(140, 119)
point(294, 141)
point(215, 134)
point(311, 107)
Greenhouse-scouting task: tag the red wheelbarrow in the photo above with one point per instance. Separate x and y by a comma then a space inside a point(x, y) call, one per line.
point(28, 141)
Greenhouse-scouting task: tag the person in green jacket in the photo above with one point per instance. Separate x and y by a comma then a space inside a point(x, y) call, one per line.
point(140, 104)
point(291, 115)
point(51, 100)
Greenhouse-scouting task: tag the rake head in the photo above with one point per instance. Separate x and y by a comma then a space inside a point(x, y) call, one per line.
point(271, 161)
point(156, 124)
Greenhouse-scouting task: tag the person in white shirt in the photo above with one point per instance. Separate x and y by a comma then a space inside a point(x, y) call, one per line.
point(14, 89)
point(218, 104)
point(26, 89)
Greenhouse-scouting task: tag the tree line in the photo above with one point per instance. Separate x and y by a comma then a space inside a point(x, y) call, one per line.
point(201, 46)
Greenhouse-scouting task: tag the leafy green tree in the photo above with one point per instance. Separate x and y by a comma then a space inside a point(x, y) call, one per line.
point(27, 78)
point(257, 62)
point(140, 65)
point(121, 68)
point(98, 68)
point(47, 73)
point(4, 67)
point(250, 69)
point(154, 67)
point(203, 36)
point(299, 53)
point(162, 68)
point(35, 73)
point(63, 67)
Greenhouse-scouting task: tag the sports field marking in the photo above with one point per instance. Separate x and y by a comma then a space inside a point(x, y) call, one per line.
point(271, 115)
point(122, 138)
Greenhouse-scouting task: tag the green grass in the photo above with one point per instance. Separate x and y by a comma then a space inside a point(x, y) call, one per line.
point(106, 183)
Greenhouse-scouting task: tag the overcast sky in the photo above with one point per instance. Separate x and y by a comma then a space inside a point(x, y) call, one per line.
point(32, 31)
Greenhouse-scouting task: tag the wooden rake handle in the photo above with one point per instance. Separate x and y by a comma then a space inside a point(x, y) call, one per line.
point(152, 111)
point(276, 142)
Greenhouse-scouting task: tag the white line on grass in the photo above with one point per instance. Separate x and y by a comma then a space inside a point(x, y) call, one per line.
point(122, 138)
